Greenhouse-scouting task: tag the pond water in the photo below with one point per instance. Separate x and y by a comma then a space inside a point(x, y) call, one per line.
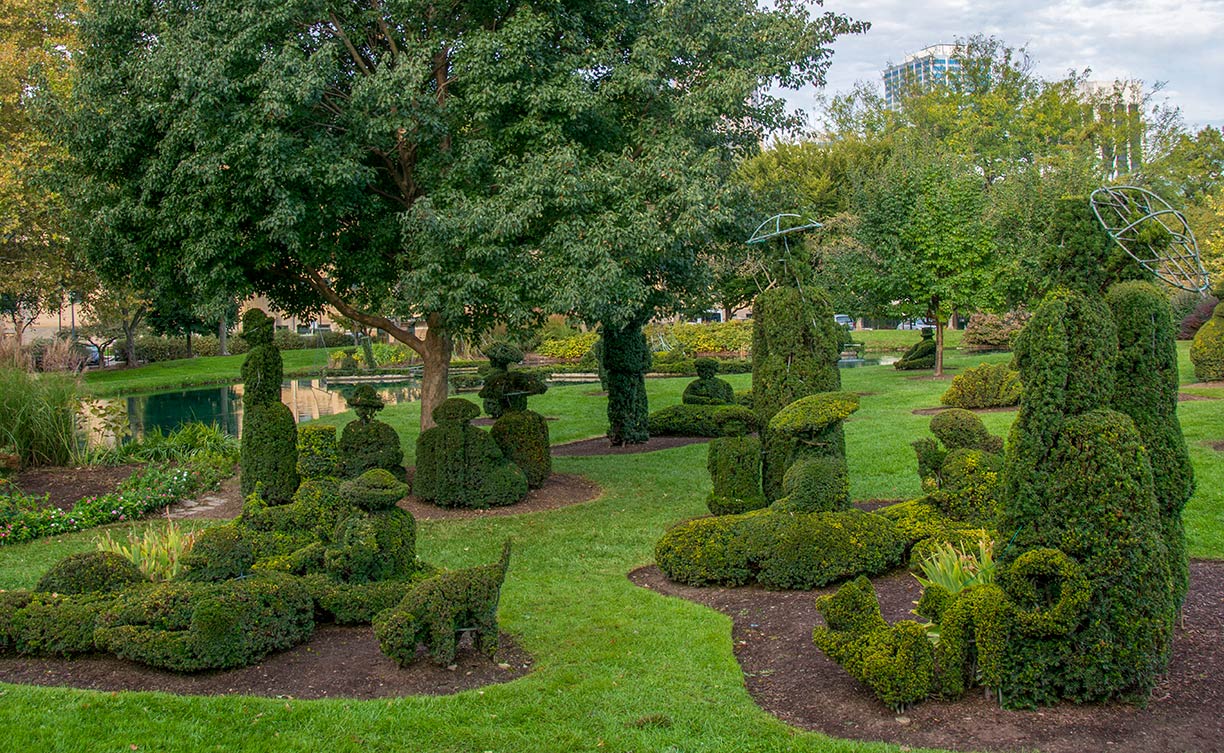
point(307, 398)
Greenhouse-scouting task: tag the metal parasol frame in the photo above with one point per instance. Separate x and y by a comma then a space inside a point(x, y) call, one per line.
point(1124, 211)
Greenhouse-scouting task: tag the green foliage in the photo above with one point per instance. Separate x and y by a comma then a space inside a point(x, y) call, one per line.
point(920, 356)
point(702, 421)
point(435, 610)
point(157, 552)
point(626, 358)
point(708, 389)
point(974, 633)
point(373, 444)
point(812, 419)
point(38, 416)
point(735, 470)
point(953, 569)
point(219, 553)
point(816, 484)
point(44, 624)
point(987, 331)
point(376, 489)
point(188, 627)
point(1080, 255)
point(188, 441)
point(570, 348)
point(522, 436)
point(987, 385)
point(357, 603)
point(501, 354)
point(505, 391)
point(1207, 348)
point(970, 483)
point(372, 546)
point(959, 429)
point(1147, 390)
point(89, 572)
point(779, 549)
point(263, 370)
point(269, 451)
point(318, 453)
point(459, 465)
point(897, 662)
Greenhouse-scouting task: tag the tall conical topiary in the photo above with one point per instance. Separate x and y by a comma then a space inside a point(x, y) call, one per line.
point(269, 433)
point(626, 357)
point(794, 354)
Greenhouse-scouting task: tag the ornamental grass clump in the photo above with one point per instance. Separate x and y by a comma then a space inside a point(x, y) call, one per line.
point(38, 416)
point(157, 552)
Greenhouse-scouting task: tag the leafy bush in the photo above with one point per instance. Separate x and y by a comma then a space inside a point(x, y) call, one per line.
point(376, 489)
point(88, 572)
point(522, 436)
point(1207, 349)
point(373, 546)
point(735, 469)
point(954, 568)
point(269, 452)
point(816, 484)
point(368, 445)
point(984, 386)
point(569, 348)
point(219, 553)
point(920, 356)
point(188, 441)
point(993, 331)
point(626, 359)
point(358, 603)
point(960, 429)
point(38, 416)
point(318, 451)
point(1200, 315)
point(708, 389)
point(702, 421)
point(458, 465)
point(49, 623)
point(157, 552)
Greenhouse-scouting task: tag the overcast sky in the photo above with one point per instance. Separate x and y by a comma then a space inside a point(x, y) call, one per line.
point(1179, 42)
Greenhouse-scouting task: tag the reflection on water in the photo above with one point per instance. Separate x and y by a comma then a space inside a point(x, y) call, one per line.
point(307, 398)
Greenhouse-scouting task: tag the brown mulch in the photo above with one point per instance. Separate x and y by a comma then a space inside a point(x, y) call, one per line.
point(871, 505)
point(792, 679)
point(559, 490)
point(942, 408)
point(489, 421)
point(67, 486)
point(1212, 385)
point(599, 446)
point(1217, 445)
point(223, 503)
point(1186, 397)
point(337, 662)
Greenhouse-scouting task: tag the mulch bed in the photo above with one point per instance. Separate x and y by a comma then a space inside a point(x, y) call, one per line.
point(489, 421)
point(599, 446)
point(1212, 385)
point(1186, 397)
point(942, 408)
point(1217, 445)
point(559, 490)
point(67, 486)
point(792, 679)
point(337, 662)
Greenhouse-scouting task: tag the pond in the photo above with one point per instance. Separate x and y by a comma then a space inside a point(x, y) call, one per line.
point(307, 398)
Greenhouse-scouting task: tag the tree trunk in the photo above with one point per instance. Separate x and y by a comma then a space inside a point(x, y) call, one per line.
point(223, 336)
point(129, 336)
point(435, 374)
point(939, 338)
point(189, 353)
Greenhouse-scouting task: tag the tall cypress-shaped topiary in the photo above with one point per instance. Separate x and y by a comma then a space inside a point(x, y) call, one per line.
point(1207, 348)
point(626, 358)
point(269, 433)
point(1146, 390)
point(794, 354)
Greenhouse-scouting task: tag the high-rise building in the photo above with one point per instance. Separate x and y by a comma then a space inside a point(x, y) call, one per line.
point(930, 65)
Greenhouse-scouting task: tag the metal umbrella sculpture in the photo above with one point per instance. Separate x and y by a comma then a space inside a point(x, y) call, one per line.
point(1152, 233)
point(783, 226)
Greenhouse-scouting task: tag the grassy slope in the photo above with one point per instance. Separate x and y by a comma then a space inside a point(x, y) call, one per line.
point(193, 372)
point(610, 656)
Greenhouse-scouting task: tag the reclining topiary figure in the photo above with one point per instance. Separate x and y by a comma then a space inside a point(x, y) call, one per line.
point(367, 443)
point(436, 611)
point(921, 355)
point(708, 389)
point(459, 465)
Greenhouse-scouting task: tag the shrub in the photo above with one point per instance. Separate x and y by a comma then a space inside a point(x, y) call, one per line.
point(779, 549)
point(372, 546)
point(318, 452)
point(702, 421)
point(157, 553)
point(744, 398)
point(188, 627)
point(735, 469)
point(993, 331)
point(358, 603)
point(269, 452)
point(626, 358)
point(38, 416)
point(708, 337)
point(708, 389)
point(88, 572)
point(459, 465)
point(522, 436)
point(507, 390)
point(376, 489)
point(1191, 322)
point(984, 386)
point(1207, 349)
point(970, 482)
point(367, 443)
point(568, 348)
point(959, 429)
point(816, 484)
point(219, 553)
point(50, 624)
point(921, 355)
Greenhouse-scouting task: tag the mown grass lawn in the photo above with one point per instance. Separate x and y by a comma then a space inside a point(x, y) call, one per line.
point(618, 668)
point(194, 372)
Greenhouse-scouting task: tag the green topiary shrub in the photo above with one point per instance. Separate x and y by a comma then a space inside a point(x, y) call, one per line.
point(735, 469)
point(505, 389)
point(970, 484)
point(984, 386)
point(376, 489)
point(625, 356)
point(1146, 390)
point(779, 549)
point(959, 429)
point(744, 398)
point(522, 436)
point(269, 452)
point(219, 553)
point(816, 484)
point(708, 389)
point(50, 624)
point(921, 355)
point(358, 603)
point(318, 453)
point(372, 546)
point(188, 627)
point(89, 572)
point(262, 369)
point(367, 443)
point(435, 610)
point(702, 421)
point(318, 506)
point(459, 465)
point(794, 354)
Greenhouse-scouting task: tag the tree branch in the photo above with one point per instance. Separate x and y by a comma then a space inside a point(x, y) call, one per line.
point(353, 53)
point(386, 32)
point(407, 337)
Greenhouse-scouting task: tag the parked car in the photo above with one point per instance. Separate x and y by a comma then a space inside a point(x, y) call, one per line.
point(916, 324)
point(844, 320)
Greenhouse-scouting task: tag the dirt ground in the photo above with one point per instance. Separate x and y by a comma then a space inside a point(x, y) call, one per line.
point(67, 486)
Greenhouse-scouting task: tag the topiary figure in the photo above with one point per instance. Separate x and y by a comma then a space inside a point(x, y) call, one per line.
point(219, 553)
point(921, 355)
point(794, 354)
point(459, 465)
point(269, 433)
point(812, 427)
point(959, 429)
point(1146, 390)
point(378, 540)
point(506, 390)
point(735, 469)
point(367, 443)
point(984, 386)
point(626, 359)
point(708, 389)
point(90, 572)
point(1207, 348)
point(702, 421)
point(816, 484)
point(522, 436)
point(318, 452)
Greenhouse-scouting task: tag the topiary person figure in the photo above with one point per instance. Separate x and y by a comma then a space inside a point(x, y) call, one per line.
point(817, 478)
point(921, 355)
point(269, 433)
point(506, 390)
point(378, 540)
point(708, 389)
point(626, 358)
point(368, 443)
point(458, 465)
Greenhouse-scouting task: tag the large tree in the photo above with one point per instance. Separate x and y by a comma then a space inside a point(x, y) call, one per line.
point(418, 163)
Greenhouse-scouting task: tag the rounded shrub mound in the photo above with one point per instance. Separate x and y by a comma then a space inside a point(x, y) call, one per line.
point(376, 489)
point(959, 429)
point(708, 389)
point(89, 572)
point(702, 421)
point(819, 484)
point(522, 436)
point(984, 386)
point(1207, 348)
